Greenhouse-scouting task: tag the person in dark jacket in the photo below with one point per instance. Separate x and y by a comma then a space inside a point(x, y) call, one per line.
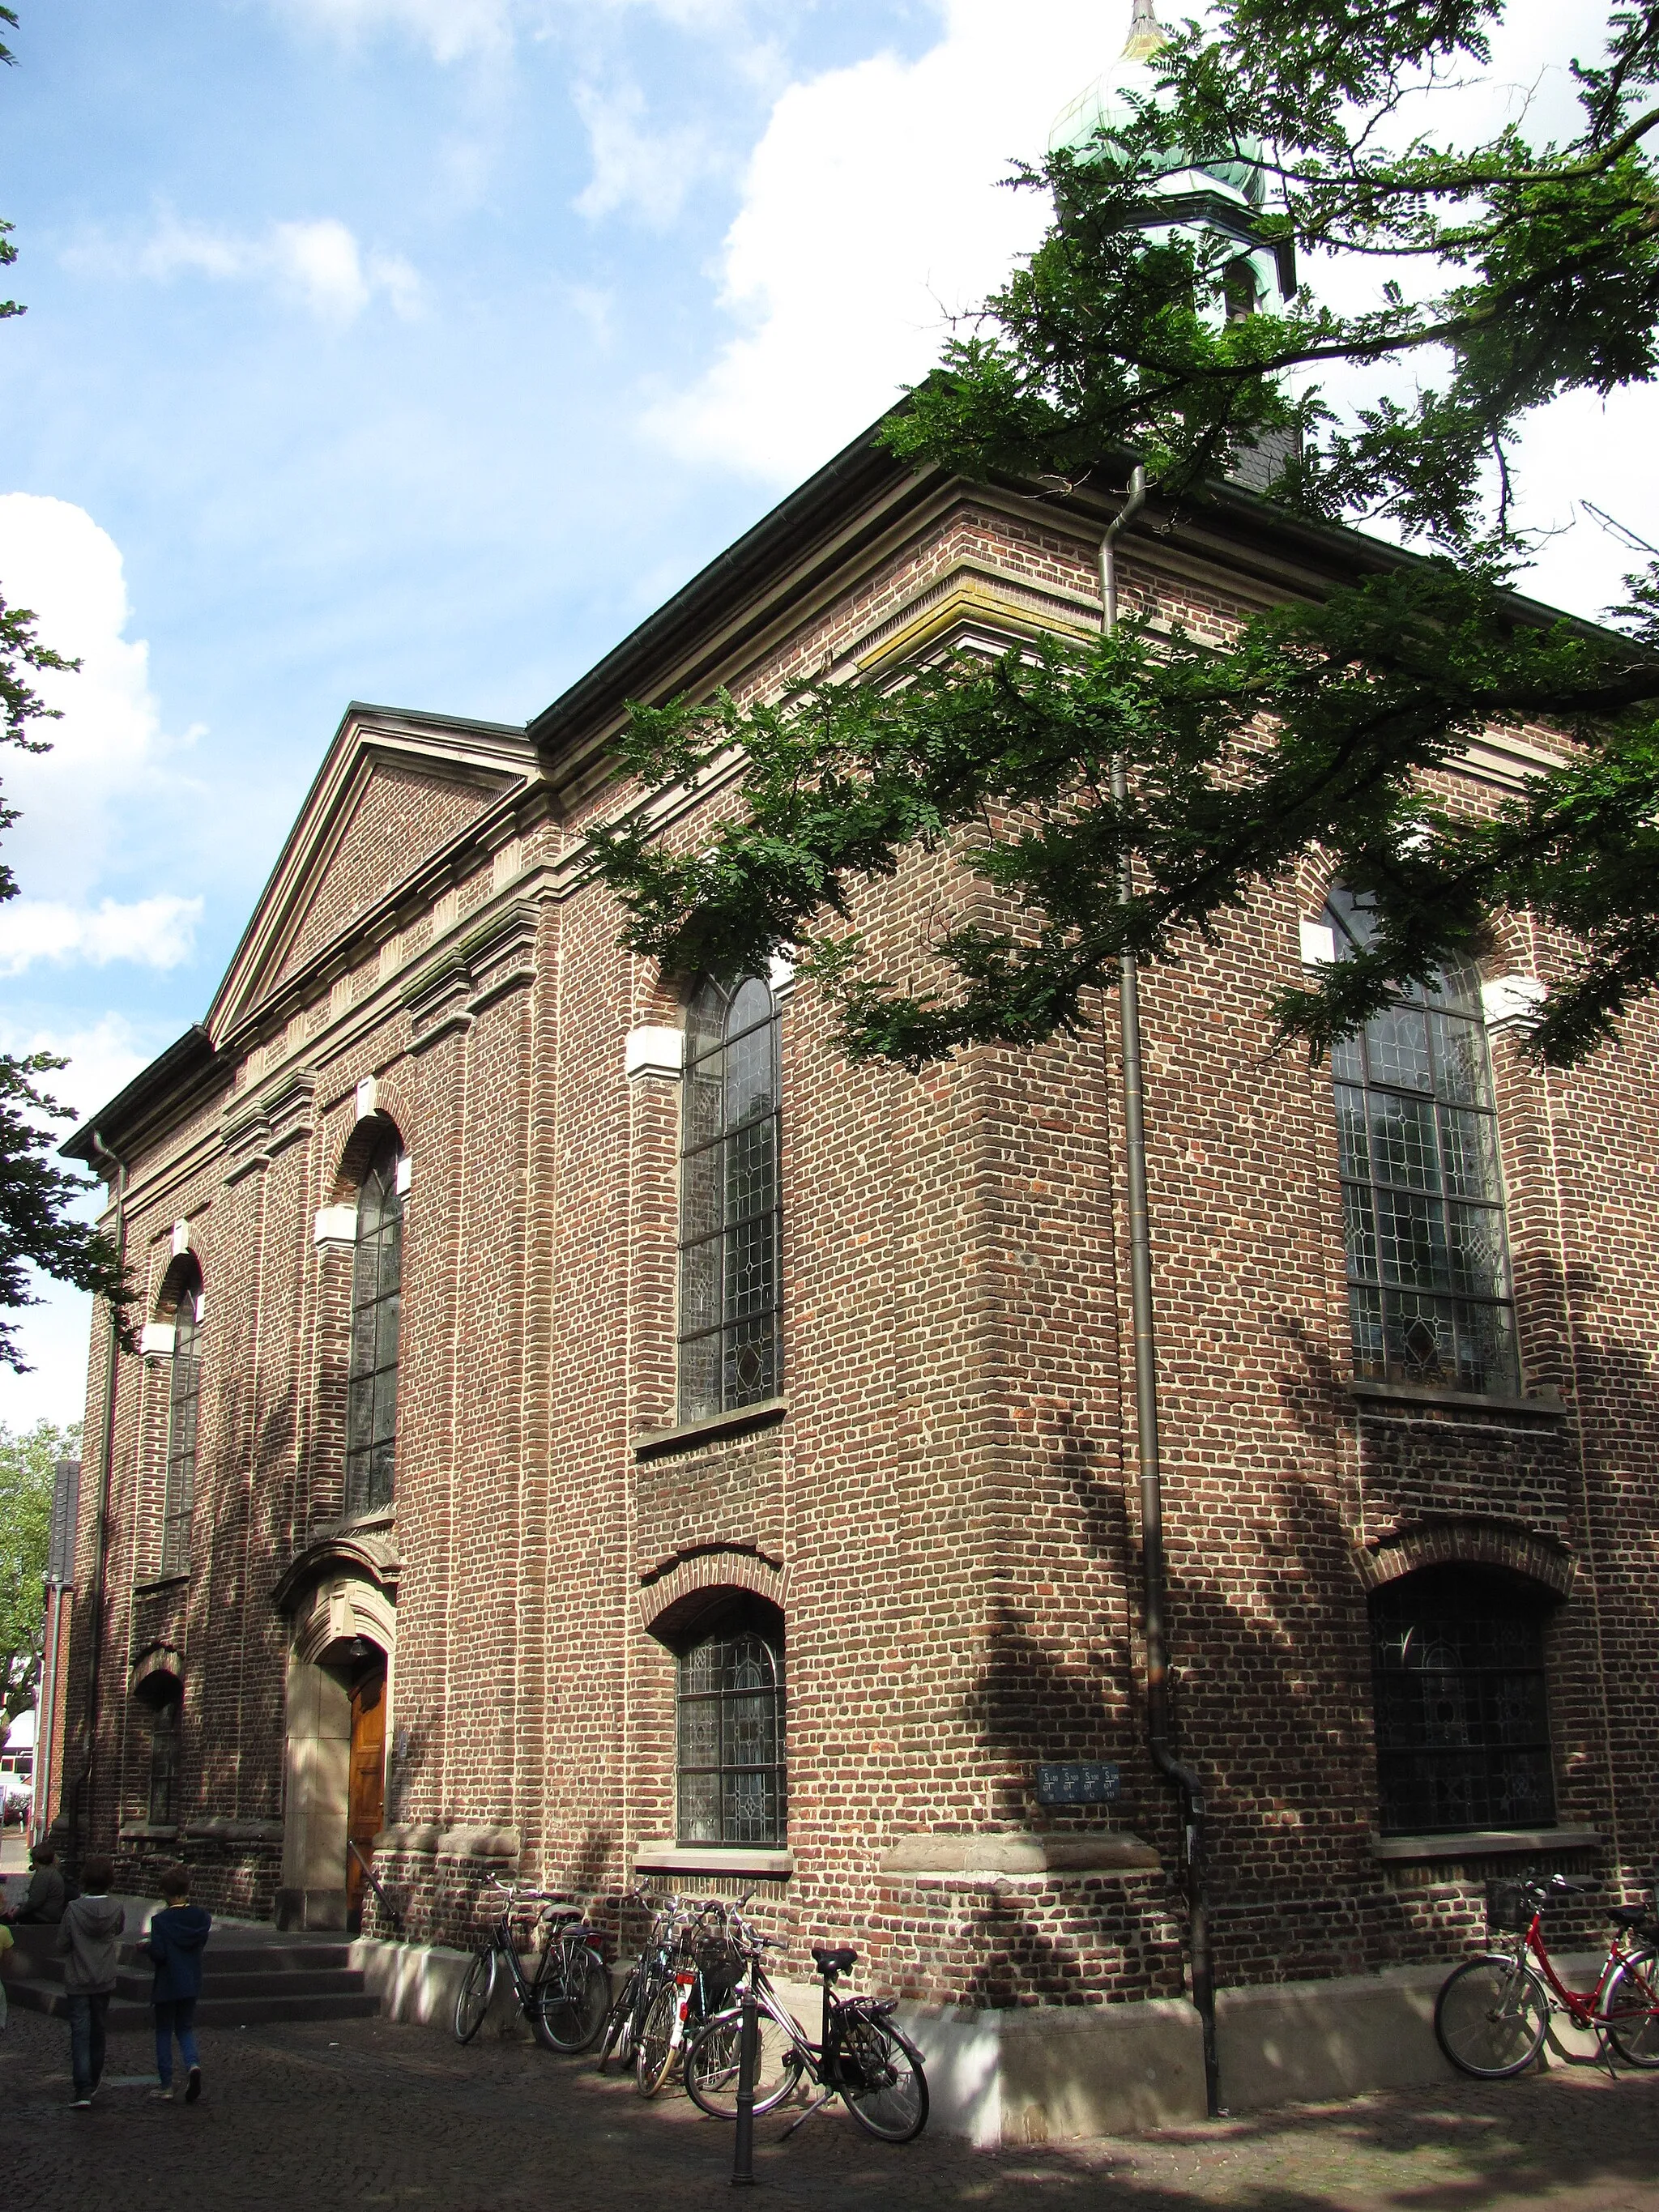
point(47, 1892)
point(178, 1937)
point(89, 1941)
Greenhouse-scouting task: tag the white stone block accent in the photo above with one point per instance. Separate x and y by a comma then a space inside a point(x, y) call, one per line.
point(1513, 1002)
point(368, 1097)
point(406, 1174)
point(1318, 944)
point(180, 1238)
point(157, 1340)
point(336, 1225)
point(654, 1052)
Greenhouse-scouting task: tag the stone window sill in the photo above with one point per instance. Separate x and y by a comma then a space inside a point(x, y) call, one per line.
point(156, 1583)
point(713, 1858)
point(154, 1832)
point(1484, 1843)
point(1424, 1393)
point(358, 1524)
point(708, 1428)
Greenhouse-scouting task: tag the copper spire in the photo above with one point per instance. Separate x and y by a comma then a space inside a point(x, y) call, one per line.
point(1146, 33)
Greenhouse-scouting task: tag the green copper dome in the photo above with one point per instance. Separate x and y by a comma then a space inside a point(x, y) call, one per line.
point(1107, 105)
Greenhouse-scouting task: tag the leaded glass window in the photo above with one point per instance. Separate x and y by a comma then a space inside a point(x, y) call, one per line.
point(164, 1719)
point(1462, 1719)
point(731, 1350)
point(183, 1392)
point(1429, 1292)
point(376, 1288)
point(730, 1754)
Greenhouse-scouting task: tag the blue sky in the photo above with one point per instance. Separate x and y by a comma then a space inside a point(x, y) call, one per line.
point(413, 351)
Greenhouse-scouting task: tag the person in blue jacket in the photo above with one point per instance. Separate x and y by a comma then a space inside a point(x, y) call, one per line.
point(178, 1937)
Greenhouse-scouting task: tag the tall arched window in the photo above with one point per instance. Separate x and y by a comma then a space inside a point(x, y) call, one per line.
point(372, 1392)
point(1429, 1290)
point(731, 1349)
point(731, 1755)
point(1462, 1717)
point(184, 1386)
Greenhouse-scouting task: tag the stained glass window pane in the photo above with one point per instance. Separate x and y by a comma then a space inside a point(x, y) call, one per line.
point(1461, 1709)
point(1422, 1197)
point(376, 1319)
point(731, 1741)
point(731, 1215)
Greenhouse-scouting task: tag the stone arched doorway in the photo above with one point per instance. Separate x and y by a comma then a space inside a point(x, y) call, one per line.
point(342, 1605)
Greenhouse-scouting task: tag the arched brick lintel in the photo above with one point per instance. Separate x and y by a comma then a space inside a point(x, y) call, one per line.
point(360, 1147)
point(151, 1673)
point(667, 1586)
point(184, 1272)
point(1469, 1543)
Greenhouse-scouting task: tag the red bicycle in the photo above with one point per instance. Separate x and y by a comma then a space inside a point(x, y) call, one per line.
point(1493, 2013)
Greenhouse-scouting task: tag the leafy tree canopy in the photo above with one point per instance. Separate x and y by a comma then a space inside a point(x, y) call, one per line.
point(1499, 276)
point(36, 1229)
point(28, 1465)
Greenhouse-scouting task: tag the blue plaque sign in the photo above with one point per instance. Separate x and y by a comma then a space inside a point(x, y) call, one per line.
point(1079, 1782)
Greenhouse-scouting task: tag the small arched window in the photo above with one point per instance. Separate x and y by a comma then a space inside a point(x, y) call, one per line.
point(166, 1710)
point(1462, 1714)
point(1429, 1290)
point(731, 1734)
point(376, 1289)
point(731, 1349)
point(184, 1392)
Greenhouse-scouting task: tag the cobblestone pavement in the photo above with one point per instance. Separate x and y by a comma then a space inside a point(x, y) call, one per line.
point(367, 2114)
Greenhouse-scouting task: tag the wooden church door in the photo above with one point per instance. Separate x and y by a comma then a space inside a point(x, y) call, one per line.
point(367, 1814)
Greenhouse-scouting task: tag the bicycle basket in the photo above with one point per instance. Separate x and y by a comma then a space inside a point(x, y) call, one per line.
point(1508, 1909)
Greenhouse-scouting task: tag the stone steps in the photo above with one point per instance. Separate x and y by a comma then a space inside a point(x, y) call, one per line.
point(243, 1985)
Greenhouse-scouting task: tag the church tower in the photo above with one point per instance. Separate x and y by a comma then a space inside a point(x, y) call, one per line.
point(1224, 198)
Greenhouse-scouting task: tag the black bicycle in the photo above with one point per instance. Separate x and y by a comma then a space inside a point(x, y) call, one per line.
point(566, 1998)
point(697, 1978)
point(861, 2055)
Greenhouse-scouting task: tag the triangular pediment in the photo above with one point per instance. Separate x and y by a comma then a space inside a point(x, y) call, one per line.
point(395, 791)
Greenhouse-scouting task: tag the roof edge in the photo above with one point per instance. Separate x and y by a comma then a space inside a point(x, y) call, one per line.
point(186, 1060)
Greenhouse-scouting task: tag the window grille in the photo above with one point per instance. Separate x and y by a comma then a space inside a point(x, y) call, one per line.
point(731, 1350)
point(376, 1288)
point(1462, 1716)
point(731, 1756)
point(164, 1760)
point(184, 1393)
point(1429, 1290)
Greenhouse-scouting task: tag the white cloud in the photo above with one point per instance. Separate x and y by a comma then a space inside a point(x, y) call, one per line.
point(108, 745)
point(645, 168)
point(871, 212)
point(451, 30)
point(153, 932)
point(318, 265)
point(54, 1334)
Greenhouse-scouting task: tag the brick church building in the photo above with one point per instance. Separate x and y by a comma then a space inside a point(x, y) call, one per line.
point(583, 1428)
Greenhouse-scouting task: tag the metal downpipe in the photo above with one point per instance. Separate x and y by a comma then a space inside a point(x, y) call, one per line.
point(1186, 1783)
point(100, 1549)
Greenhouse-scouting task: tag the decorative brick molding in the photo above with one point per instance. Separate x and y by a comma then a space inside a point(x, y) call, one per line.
point(368, 1135)
point(1466, 1543)
point(665, 1588)
point(161, 1659)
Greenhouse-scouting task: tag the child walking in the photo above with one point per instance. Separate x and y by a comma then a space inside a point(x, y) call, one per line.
point(177, 1939)
point(89, 1942)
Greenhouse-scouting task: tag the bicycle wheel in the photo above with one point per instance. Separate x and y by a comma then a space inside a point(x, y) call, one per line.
point(881, 2079)
point(655, 2053)
point(711, 2065)
point(1491, 2018)
point(473, 1998)
point(617, 2036)
point(1632, 2011)
point(573, 1997)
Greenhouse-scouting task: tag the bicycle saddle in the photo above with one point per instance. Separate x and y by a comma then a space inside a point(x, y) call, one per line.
point(1628, 1916)
point(834, 1962)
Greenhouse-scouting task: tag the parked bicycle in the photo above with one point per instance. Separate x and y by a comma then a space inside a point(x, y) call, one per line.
point(1493, 2012)
point(701, 1974)
point(566, 1998)
point(626, 2018)
point(861, 2055)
